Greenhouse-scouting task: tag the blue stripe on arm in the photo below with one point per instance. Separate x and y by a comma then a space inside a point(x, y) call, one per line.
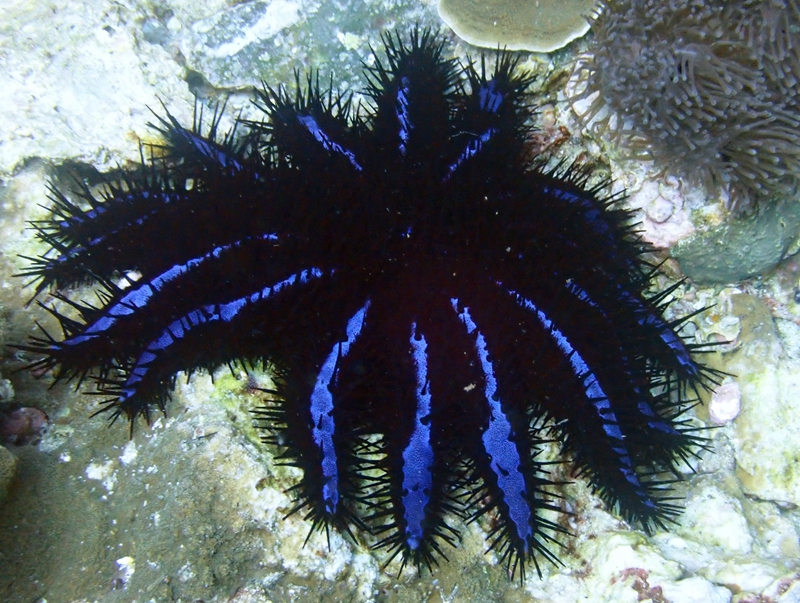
point(401, 110)
point(595, 395)
point(322, 406)
point(473, 147)
point(326, 141)
point(646, 318)
point(68, 253)
point(418, 454)
point(179, 328)
point(505, 459)
point(490, 99)
point(140, 296)
point(212, 151)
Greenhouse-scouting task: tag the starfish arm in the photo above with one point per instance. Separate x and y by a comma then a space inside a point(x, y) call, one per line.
point(503, 472)
point(203, 149)
point(113, 334)
point(314, 424)
point(179, 344)
point(605, 403)
point(557, 220)
point(492, 125)
point(94, 236)
point(411, 487)
point(313, 129)
point(414, 93)
point(149, 215)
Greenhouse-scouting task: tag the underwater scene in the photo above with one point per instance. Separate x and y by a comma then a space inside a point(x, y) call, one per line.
point(400, 300)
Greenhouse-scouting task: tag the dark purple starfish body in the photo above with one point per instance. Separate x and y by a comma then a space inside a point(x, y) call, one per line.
point(429, 298)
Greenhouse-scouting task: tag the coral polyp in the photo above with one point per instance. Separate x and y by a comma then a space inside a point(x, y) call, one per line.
point(433, 302)
point(706, 89)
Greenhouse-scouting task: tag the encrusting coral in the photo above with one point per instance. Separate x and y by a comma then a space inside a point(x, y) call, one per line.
point(707, 88)
point(540, 26)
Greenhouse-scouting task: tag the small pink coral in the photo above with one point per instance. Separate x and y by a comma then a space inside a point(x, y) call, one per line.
point(22, 426)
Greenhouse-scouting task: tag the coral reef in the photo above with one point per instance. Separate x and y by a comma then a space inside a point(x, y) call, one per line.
point(708, 89)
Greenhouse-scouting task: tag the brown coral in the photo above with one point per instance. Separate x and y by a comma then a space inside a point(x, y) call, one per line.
point(708, 89)
point(540, 25)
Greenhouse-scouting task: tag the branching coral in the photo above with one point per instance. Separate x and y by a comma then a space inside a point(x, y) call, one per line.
point(708, 88)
